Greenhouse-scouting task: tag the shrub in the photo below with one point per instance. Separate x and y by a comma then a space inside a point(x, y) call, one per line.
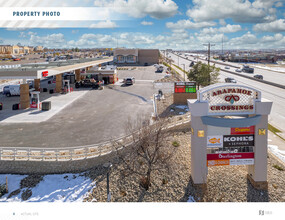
point(175, 144)
point(164, 181)
point(278, 167)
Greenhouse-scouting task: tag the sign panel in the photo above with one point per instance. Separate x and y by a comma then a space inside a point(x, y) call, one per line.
point(44, 73)
point(211, 163)
point(243, 130)
point(215, 141)
point(185, 87)
point(229, 99)
point(230, 159)
point(241, 161)
point(230, 156)
point(238, 140)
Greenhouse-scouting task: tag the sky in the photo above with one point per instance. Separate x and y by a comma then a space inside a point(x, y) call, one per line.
point(174, 24)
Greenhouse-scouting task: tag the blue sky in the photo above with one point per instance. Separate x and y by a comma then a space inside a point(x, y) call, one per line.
point(176, 24)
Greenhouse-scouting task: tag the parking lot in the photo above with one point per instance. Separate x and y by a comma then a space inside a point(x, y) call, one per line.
point(99, 115)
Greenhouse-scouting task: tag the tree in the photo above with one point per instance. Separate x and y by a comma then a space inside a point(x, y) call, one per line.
point(149, 152)
point(203, 74)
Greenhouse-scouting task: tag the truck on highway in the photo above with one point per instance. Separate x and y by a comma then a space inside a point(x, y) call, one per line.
point(247, 69)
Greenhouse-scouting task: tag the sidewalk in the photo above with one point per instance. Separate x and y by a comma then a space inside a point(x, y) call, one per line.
point(58, 103)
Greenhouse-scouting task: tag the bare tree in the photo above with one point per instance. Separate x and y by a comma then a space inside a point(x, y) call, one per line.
point(150, 151)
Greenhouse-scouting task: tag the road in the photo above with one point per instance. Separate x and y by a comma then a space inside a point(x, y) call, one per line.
point(271, 76)
point(275, 94)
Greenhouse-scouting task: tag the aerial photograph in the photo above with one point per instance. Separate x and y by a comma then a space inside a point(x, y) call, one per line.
point(174, 105)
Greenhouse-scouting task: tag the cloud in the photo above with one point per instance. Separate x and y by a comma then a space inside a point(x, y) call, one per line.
point(52, 40)
point(104, 24)
point(230, 28)
point(245, 39)
point(147, 23)
point(274, 26)
point(238, 10)
point(137, 8)
point(187, 24)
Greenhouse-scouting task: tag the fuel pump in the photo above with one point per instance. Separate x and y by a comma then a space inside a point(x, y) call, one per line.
point(66, 85)
point(35, 99)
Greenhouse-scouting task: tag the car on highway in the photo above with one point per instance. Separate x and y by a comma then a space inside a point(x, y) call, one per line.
point(238, 70)
point(258, 76)
point(227, 67)
point(230, 80)
point(191, 64)
point(247, 69)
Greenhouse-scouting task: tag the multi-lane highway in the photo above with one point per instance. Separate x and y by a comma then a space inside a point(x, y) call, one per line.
point(275, 94)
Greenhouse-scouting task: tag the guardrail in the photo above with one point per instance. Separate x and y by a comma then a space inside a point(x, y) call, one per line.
point(74, 153)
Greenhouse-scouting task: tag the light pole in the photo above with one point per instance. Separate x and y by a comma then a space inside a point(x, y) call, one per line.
point(108, 167)
point(184, 70)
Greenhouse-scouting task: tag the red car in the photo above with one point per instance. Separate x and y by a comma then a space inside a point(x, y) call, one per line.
point(17, 59)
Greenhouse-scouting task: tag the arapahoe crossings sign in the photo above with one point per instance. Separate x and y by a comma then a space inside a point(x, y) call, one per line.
point(228, 100)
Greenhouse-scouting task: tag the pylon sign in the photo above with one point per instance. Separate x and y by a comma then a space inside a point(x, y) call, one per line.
point(230, 118)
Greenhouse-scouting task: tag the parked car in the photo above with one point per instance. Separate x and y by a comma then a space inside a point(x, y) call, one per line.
point(159, 69)
point(145, 64)
point(129, 81)
point(230, 80)
point(227, 67)
point(238, 70)
point(258, 76)
point(88, 83)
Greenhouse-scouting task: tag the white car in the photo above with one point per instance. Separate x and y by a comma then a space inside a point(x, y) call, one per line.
point(238, 70)
point(227, 67)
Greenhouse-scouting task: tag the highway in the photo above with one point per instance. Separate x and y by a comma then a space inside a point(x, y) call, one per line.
point(275, 94)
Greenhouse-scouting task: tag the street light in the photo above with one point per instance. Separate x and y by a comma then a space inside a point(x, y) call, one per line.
point(184, 70)
point(108, 167)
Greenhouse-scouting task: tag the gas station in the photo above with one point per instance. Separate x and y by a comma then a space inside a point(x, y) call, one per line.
point(229, 127)
point(43, 71)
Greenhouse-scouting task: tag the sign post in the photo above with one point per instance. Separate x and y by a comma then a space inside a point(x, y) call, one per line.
point(238, 139)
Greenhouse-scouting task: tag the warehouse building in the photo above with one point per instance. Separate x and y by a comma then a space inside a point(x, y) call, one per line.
point(136, 56)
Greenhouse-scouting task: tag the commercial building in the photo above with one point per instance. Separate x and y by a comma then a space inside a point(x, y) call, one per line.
point(15, 49)
point(107, 73)
point(136, 56)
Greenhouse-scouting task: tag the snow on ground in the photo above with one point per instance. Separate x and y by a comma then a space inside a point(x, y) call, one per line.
point(185, 107)
point(279, 153)
point(53, 188)
point(277, 69)
point(191, 199)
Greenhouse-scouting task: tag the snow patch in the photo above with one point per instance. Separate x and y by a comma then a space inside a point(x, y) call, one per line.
point(279, 153)
point(53, 188)
point(191, 199)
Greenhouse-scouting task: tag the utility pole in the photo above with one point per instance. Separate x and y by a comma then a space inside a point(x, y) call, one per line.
point(209, 51)
point(223, 45)
point(184, 70)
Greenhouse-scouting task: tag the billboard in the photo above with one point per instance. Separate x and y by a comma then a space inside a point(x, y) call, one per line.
point(185, 87)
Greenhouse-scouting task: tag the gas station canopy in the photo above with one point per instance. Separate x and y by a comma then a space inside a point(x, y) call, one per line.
point(42, 70)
